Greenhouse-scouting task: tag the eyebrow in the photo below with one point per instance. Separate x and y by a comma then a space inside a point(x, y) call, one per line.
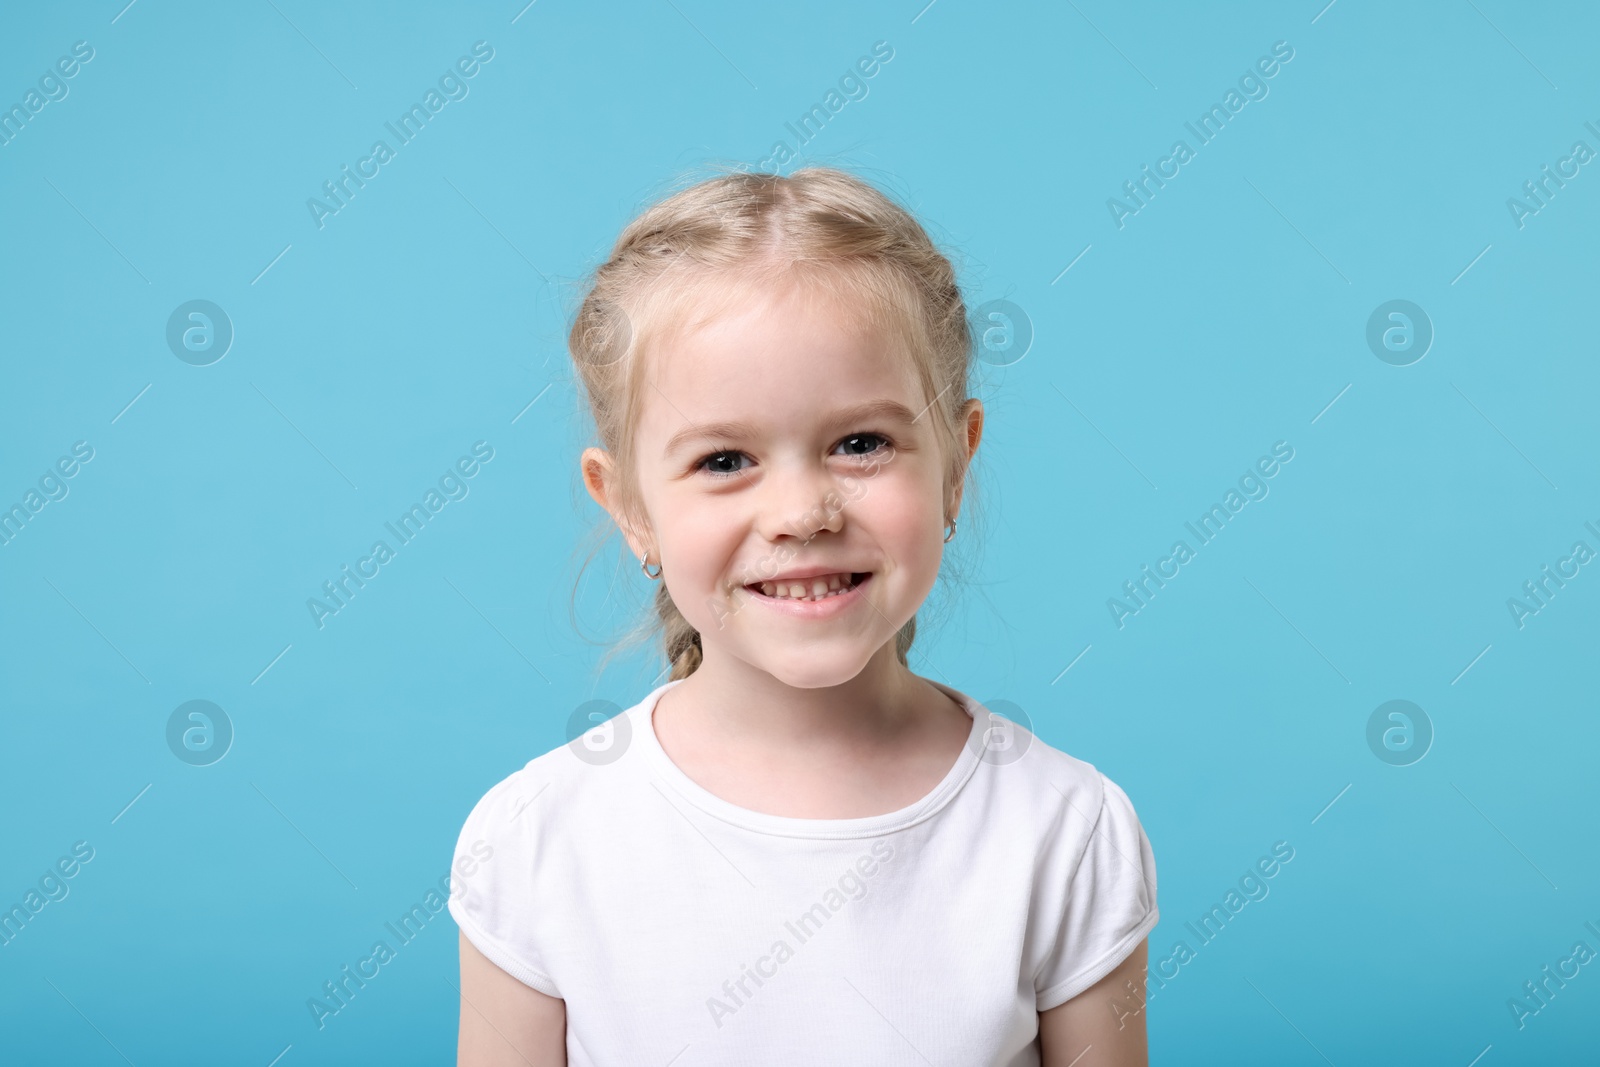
point(872, 410)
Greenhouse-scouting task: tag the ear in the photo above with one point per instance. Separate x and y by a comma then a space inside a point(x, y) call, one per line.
point(603, 480)
point(969, 433)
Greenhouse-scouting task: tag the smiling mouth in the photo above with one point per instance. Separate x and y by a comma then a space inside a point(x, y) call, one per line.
point(817, 588)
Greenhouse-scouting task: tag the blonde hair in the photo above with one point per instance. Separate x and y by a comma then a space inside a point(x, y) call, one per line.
point(699, 250)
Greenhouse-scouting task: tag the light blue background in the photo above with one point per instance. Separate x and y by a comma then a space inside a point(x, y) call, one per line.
point(426, 315)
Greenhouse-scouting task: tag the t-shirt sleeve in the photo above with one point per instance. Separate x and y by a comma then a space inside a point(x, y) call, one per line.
point(492, 892)
point(1110, 902)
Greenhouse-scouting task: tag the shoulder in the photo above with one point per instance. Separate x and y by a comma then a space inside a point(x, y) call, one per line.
point(1093, 894)
point(1019, 761)
point(1067, 800)
point(1083, 787)
point(508, 799)
point(1016, 764)
point(554, 793)
point(514, 848)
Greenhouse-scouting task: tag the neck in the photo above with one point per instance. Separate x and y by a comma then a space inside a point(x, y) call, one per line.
point(746, 705)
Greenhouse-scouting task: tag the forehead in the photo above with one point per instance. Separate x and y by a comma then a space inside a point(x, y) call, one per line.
point(783, 355)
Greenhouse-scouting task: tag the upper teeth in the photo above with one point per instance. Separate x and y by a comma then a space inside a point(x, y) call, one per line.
point(819, 588)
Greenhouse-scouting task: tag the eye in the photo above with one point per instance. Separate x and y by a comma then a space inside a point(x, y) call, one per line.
point(863, 444)
point(722, 464)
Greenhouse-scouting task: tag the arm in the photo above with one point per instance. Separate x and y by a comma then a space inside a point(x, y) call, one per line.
point(505, 1023)
point(1106, 1021)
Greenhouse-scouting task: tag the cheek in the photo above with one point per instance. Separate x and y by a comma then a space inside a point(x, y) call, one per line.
point(699, 537)
point(904, 518)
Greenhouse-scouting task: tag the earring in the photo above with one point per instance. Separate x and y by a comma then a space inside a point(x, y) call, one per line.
point(644, 565)
point(950, 532)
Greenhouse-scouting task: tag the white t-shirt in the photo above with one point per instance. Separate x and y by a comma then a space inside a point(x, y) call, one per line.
point(682, 929)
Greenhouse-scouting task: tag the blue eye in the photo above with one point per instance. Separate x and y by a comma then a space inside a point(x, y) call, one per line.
point(863, 444)
point(729, 462)
point(718, 464)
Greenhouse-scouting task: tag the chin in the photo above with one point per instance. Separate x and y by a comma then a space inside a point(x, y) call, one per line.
point(815, 668)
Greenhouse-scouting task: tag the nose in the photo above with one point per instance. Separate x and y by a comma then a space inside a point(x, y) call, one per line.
point(800, 502)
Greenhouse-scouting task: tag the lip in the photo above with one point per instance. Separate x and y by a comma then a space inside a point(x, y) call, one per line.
point(808, 572)
point(812, 609)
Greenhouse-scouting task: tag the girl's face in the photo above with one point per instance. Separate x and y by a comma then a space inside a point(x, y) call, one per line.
point(793, 485)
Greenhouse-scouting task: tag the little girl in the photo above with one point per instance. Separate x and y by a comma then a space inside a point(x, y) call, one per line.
point(795, 850)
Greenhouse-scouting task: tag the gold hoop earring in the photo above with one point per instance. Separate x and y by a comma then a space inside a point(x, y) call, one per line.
point(951, 532)
point(644, 565)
